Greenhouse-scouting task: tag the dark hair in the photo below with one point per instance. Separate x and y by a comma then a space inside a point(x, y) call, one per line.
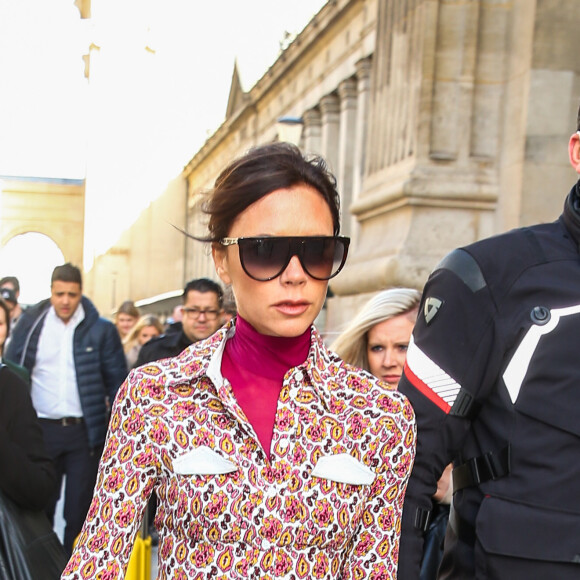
point(204, 285)
point(4, 307)
point(13, 280)
point(261, 171)
point(67, 273)
point(128, 307)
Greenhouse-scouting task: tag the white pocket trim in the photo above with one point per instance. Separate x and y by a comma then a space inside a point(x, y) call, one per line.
point(343, 468)
point(203, 461)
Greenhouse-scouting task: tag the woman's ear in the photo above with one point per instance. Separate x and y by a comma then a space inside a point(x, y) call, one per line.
point(220, 260)
point(574, 151)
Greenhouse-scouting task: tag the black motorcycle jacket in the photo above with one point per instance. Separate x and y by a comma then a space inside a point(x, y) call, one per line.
point(493, 373)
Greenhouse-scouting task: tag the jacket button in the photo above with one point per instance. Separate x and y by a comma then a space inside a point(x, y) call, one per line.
point(540, 315)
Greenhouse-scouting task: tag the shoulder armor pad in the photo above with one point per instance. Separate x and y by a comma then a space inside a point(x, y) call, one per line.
point(464, 266)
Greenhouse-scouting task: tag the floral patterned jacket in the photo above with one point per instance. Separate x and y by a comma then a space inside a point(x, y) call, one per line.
point(327, 505)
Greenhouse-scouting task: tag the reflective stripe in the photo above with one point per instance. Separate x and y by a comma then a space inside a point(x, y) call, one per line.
point(430, 379)
point(517, 368)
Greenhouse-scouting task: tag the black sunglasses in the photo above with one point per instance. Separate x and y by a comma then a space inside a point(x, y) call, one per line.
point(263, 259)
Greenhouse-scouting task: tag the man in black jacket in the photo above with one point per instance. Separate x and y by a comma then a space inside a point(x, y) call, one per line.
point(76, 362)
point(492, 373)
point(202, 316)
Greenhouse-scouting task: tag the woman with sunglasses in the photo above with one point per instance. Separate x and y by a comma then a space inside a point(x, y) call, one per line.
point(270, 457)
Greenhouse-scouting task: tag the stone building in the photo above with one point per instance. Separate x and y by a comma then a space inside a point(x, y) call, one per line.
point(445, 121)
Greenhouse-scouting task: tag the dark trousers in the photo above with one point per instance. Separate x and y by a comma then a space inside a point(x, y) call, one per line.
point(72, 457)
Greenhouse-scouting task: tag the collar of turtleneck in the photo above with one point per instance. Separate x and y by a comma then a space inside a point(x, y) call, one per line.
point(269, 357)
point(571, 214)
point(255, 365)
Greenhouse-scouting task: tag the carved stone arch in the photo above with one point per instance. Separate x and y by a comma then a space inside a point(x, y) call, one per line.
point(71, 251)
point(53, 207)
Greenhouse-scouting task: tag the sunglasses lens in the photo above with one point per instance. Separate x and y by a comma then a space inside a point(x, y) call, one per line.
point(323, 258)
point(264, 258)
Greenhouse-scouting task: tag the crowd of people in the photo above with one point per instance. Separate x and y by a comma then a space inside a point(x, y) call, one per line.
point(258, 451)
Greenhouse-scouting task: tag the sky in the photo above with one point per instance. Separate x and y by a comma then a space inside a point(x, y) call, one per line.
point(160, 74)
point(43, 90)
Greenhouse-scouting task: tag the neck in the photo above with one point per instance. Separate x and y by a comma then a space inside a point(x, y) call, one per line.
point(267, 356)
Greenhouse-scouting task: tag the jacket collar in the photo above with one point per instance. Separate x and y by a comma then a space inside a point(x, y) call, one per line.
point(571, 214)
point(204, 358)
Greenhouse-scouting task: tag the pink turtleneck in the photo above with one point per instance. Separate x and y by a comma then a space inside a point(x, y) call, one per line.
point(255, 365)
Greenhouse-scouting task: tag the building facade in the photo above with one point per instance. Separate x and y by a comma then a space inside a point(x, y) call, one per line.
point(444, 121)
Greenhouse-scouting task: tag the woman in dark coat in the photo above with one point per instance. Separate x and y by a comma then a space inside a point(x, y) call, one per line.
point(26, 473)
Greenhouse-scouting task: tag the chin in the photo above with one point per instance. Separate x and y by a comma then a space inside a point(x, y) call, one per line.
point(288, 329)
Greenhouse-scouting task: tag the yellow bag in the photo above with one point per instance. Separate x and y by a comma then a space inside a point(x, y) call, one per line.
point(139, 567)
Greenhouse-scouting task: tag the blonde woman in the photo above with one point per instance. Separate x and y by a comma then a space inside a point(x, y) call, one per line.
point(125, 318)
point(378, 336)
point(146, 328)
point(377, 340)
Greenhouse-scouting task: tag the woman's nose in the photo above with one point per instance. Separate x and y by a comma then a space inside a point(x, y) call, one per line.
point(294, 271)
point(388, 360)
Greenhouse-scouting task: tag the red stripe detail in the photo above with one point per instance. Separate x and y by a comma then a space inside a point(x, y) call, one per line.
point(425, 389)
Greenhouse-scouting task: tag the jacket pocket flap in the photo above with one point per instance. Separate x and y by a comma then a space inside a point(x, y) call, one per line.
point(343, 468)
point(503, 528)
point(203, 461)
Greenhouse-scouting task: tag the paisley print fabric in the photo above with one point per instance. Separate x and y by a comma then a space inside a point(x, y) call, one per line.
point(224, 510)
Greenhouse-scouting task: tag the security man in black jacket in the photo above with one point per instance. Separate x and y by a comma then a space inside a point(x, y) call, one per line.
point(493, 374)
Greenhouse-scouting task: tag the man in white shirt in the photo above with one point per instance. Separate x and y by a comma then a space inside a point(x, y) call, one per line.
point(77, 363)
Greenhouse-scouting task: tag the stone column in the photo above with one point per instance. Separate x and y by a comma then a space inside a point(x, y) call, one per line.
point(312, 134)
point(455, 58)
point(330, 110)
point(490, 75)
point(347, 92)
point(363, 76)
